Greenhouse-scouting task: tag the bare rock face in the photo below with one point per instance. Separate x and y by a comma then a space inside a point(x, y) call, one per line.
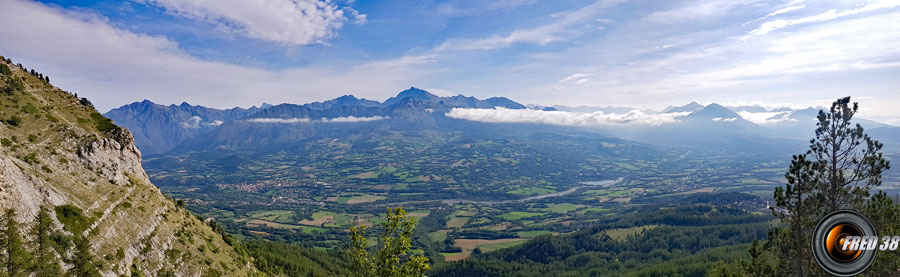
point(114, 158)
point(63, 152)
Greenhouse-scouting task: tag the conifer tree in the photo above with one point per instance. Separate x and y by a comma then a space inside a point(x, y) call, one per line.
point(83, 263)
point(838, 171)
point(15, 263)
point(853, 162)
point(44, 253)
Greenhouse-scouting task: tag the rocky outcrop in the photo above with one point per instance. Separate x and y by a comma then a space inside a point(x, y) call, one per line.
point(61, 151)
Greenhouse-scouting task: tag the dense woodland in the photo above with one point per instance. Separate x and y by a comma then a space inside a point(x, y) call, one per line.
point(698, 233)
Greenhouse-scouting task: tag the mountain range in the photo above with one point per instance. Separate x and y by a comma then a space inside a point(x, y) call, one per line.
point(158, 129)
point(161, 128)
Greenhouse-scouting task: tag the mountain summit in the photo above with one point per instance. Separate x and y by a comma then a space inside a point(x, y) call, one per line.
point(713, 111)
point(690, 107)
point(413, 93)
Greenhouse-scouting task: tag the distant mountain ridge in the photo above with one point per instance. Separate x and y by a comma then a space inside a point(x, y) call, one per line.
point(458, 101)
point(714, 111)
point(690, 107)
point(158, 128)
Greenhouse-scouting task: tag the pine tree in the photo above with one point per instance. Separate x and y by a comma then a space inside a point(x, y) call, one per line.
point(853, 161)
point(15, 263)
point(838, 171)
point(83, 263)
point(795, 206)
point(885, 215)
point(44, 253)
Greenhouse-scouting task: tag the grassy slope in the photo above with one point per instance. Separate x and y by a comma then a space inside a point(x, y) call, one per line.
point(47, 135)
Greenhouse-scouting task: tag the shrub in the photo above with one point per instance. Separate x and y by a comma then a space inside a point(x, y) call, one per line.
point(13, 121)
point(13, 85)
point(103, 124)
point(72, 218)
point(31, 158)
point(85, 102)
point(30, 109)
point(6, 142)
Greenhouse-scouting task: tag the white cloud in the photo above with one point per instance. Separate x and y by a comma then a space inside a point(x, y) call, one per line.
point(779, 12)
point(857, 44)
point(342, 119)
point(196, 122)
point(192, 123)
point(576, 77)
point(730, 119)
point(541, 35)
point(774, 25)
point(352, 119)
point(699, 9)
point(503, 115)
point(289, 22)
point(101, 61)
point(768, 106)
point(279, 120)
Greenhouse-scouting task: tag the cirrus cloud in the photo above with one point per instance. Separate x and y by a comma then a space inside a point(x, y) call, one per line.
point(774, 25)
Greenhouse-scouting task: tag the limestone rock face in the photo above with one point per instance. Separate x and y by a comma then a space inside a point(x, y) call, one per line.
point(60, 151)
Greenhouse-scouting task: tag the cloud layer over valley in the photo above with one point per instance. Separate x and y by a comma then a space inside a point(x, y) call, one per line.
point(503, 115)
point(342, 119)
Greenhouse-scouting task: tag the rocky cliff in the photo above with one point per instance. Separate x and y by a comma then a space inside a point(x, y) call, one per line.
point(57, 150)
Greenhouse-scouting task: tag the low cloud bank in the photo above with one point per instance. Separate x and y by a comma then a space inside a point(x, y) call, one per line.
point(352, 119)
point(764, 118)
point(196, 122)
point(341, 119)
point(279, 120)
point(504, 115)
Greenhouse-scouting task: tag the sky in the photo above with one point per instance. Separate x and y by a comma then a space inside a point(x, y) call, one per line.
point(642, 54)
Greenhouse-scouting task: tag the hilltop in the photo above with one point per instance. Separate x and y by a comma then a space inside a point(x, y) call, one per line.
point(59, 153)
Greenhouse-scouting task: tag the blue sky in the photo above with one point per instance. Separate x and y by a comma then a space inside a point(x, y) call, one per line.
point(645, 54)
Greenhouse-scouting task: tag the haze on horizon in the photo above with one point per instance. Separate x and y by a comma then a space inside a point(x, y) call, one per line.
point(603, 53)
